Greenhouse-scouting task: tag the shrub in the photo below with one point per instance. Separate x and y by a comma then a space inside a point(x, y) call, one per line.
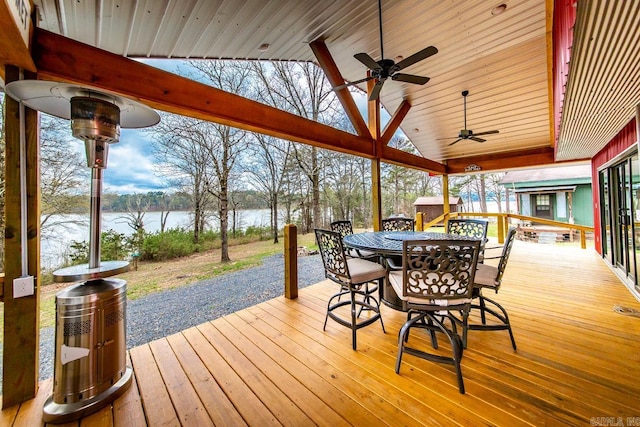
point(173, 243)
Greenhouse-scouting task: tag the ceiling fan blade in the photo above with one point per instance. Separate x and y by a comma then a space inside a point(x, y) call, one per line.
point(442, 139)
point(489, 132)
point(477, 139)
point(368, 61)
point(416, 57)
point(459, 139)
point(410, 78)
point(375, 92)
point(353, 83)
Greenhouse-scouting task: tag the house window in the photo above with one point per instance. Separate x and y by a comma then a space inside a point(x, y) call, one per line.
point(543, 202)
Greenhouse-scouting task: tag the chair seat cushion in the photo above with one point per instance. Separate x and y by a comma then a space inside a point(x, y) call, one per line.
point(359, 253)
point(363, 271)
point(486, 276)
point(396, 279)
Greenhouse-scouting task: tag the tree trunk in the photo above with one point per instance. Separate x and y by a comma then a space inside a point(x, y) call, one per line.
point(274, 218)
point(315, 181)
point(224, 222)
point(483, 195)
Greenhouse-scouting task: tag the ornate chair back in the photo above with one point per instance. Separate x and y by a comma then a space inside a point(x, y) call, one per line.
point(506, 251)
point(468, 227)
point(343, 227)
point(397, 224)
point(441, 271)
point(333, 256)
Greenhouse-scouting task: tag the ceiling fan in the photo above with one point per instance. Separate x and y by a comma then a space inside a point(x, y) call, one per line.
point(387, 68)
point(468, 133)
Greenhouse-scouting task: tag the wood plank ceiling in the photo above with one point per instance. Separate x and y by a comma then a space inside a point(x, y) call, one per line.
point(502, 60)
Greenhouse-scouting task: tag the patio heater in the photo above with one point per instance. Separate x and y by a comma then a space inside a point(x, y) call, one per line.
point(90, 339)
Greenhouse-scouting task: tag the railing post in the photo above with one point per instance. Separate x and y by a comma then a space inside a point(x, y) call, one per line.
point(419, 223)
point(500, 223)
point(583, 239)
point(290, 261)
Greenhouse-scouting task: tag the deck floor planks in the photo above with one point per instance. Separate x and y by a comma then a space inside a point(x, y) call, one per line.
point(383, 353)
point(278, 402)
point(576, 359)
point(127, 410)
point(279, 346)
point(220, 409)
point(249, 406)
point(436, 381)
point(343, 370)
point(185, 400)
point(155, 398)
point(318, 411)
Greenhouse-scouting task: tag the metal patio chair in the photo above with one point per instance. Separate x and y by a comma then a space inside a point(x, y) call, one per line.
point(353, 275)
point(436, 280)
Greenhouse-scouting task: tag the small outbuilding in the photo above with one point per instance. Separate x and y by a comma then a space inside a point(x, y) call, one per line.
point(557, 193)
point(433, 206)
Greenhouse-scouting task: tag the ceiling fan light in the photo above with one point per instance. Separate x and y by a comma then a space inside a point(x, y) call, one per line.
point(498, 9)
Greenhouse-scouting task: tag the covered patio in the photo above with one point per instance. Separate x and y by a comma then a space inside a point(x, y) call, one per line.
point(577, 362)
point(556, 78)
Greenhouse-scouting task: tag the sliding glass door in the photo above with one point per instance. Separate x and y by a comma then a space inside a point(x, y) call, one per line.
point(620, 209)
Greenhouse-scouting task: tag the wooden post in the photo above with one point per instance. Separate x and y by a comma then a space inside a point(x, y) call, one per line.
point(290, 261)
point(373, 119)
point(501, 230)
point(376, 195)
point(445, 199)
point(419, 222)
point(21, 315)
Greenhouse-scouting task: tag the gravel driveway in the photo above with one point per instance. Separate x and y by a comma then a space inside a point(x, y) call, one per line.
point(164, 313)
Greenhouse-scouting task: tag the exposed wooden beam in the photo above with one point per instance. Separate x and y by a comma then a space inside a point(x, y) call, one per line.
point(328, 65)
point(62, 59)
point(402, 158)
point(395, 121)
point(13, 48)
point(503, 161)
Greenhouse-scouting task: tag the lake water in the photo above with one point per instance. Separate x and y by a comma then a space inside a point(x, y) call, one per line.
point(55, 243)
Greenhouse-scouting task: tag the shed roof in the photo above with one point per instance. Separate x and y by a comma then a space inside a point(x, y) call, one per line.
point(436, 200)
point(569, 174)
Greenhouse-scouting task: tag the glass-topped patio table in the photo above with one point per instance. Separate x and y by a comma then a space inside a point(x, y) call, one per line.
point(389, 244)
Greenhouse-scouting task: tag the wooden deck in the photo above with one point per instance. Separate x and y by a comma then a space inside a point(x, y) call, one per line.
point(272, 364)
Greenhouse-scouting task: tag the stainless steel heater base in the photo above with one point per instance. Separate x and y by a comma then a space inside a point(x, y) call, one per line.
point(58, 413)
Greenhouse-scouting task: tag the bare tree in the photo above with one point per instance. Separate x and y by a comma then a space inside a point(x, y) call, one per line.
point(267, 171)
point(302, 89)
point(182, 155)
point(64, 176)
point(224, 144)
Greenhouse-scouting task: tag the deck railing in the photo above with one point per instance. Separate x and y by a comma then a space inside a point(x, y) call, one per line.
point(502, 219)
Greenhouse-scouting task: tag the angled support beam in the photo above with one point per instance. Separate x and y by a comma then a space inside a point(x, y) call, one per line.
point(395, 121)
point(502, 161)
point(326, 62)
point(61, 59)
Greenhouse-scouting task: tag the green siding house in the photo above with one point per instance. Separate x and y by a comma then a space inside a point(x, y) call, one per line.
point(557, 193)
